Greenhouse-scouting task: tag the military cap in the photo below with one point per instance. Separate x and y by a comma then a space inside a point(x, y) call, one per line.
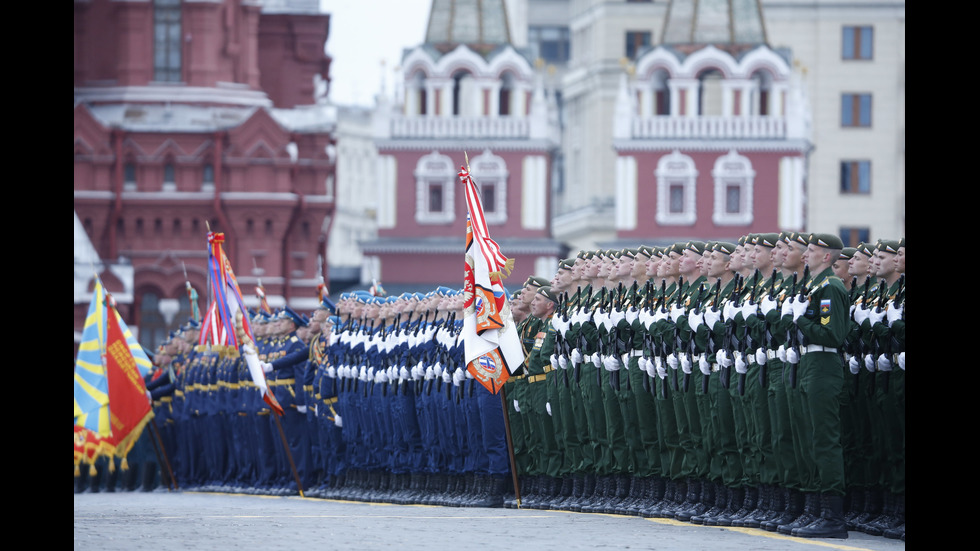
point(293, 316)
point(767, 239)
point(888, 246)
point(901, 242)
point(724, 247)
point(696, 246)
point(801, 238)
point(847, 253)
point(864, 249)
point(547, 293)
point(537, 281)
point(826, 240)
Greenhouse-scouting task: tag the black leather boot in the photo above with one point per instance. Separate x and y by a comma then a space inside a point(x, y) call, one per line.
point(794, 508)
point(811, 512)
point(830, 524)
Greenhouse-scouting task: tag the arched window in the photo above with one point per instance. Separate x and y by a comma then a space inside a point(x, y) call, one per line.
point(660, 93)
point(490, 175)
point(734, 178)
point(434, 192)
point(676, 185)
point(464, 95)
point(506, 94)
point(710, 94)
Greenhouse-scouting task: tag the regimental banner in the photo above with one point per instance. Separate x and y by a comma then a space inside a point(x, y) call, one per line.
point(492, 347)
point(129, 407)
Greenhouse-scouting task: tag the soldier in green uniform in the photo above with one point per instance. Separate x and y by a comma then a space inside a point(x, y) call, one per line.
point(821, 317)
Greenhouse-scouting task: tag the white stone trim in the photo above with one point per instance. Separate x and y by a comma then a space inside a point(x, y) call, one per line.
point(733, 169)
point(435, 168)
point(676, 168)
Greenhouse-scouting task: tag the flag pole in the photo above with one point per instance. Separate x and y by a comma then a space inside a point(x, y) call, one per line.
point(510, 446)
point(289, 454)
point(158, 447)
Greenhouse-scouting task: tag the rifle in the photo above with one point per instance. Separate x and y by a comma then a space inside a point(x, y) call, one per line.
point(746, 342)
point(793, 340)
point(711, 341)
point(691, 346)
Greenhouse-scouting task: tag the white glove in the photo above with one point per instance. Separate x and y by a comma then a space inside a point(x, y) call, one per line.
point(547, 407)
point(301, 409)
point(645, 365)
point(799, 308)
point(596, 361)
point(467, 374)
point(632, 315)
point(695, 320)
point(704, 365)
point(749, 309)
point(676, 312)
point(869, 363)
point(660, 315)
point(854, 365)
point(248, 349)
point(884, 363)
point(686, 365)
point(711, 317)
point(332, 372)
point(781, 353)
point(458, 377)
point(517, 408)
point(429, 373)
point(616, 316)
point(894, 313)
point(611, 363)
point(792, 356)
point(760, 356)
point(740, 365)
point(577, 356)
point(723, 359)
point(338, 421)
point(625, 358)
point(266, 367)
point(437, 370)
point(672, 361)
point(661, 370)
point(404, 374)
point(768, 305)
point(563, 362)
point(875, 315)
point(730, 310)
point(901, 361)
point(446, 377)
point(788, 307)
point(554, 361)
point(861, 314)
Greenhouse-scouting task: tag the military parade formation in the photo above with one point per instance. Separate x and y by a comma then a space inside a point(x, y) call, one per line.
point(754, 384)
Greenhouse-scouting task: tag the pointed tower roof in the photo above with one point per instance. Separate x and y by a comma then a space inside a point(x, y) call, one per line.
point(480, 24)
point(732, 25)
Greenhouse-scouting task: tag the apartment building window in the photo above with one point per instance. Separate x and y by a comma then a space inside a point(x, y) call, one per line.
point(855, 110)
point(551, 44)
point(854, 236)
point(855, 177)
point(636, 41)
point(858, 42)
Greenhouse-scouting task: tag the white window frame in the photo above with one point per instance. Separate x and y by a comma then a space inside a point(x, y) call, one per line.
point(490, 170)
point(672, 169)
point(736, 169)
point(435, 168)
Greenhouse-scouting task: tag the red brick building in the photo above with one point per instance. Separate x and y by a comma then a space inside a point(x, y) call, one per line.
point(190, 115)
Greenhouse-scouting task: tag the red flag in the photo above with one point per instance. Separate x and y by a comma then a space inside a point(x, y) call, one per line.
point(129, 407)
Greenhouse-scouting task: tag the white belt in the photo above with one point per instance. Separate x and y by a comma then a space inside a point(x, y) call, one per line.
point(771, 354)
point(817, 348)
point(636, 353)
